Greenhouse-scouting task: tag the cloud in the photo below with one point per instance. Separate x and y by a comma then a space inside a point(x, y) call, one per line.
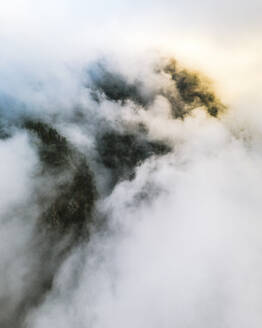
point(129, 183)
point(182, 244)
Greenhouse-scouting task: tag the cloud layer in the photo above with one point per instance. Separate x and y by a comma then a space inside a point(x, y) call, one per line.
point(130, 181)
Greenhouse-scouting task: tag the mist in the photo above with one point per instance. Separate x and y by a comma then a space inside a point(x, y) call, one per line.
point(130, 173)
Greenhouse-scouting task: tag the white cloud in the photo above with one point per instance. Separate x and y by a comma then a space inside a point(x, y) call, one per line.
point(190, 254)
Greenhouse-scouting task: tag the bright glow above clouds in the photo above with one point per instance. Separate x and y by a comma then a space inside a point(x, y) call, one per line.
point(221, 38)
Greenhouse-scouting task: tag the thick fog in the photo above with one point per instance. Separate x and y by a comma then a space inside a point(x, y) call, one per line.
point(130, 172)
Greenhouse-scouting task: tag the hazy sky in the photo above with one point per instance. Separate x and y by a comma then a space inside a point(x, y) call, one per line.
point(223, 38)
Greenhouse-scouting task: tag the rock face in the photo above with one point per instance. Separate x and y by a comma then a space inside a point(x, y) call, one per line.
point(193, 91)
point(66, 196)
point(115, 86)
point(121, 153)
point(189, 89)
point(75, 195)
